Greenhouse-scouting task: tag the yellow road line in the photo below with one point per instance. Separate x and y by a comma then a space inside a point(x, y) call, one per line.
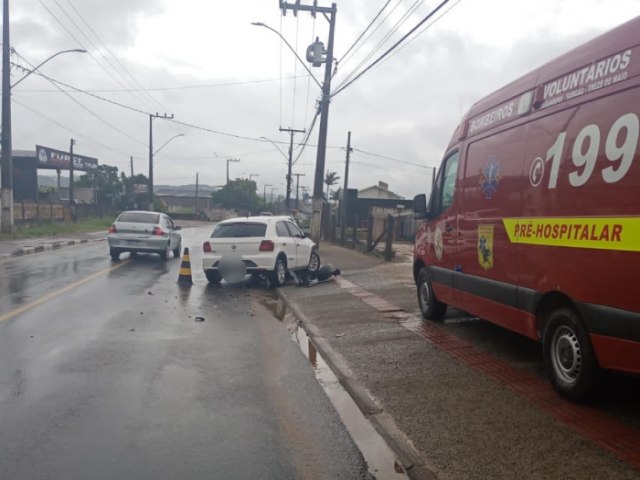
point(49, 296)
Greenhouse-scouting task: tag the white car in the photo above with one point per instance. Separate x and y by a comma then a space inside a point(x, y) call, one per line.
point(272, 246)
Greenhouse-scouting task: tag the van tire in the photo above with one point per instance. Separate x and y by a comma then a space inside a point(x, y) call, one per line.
point(569, 357)
point(430, 307)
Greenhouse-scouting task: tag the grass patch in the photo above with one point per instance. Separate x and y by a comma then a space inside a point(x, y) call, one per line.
point(59, 229)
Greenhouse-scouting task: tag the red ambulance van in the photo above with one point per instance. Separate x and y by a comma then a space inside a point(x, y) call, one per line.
point(534, 219)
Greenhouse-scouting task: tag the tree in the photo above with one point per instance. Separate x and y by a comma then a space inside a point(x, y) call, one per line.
point(335, 195)
point(109, 186)
point(330, 178)
point(241, 195)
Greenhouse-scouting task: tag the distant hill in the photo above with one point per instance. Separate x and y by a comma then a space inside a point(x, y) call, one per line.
point(184, 190)
point(48, 181)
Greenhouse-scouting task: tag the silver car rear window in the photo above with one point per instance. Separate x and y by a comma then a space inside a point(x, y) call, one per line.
point(244, 229)
point(139, 217)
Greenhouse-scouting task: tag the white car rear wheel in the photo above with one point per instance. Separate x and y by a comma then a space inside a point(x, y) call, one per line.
point(279, 274)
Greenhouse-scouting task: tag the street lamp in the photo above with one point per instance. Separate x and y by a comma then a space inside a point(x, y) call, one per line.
point(260, 24)
point(330, 15)
point(151, 155)
point(275, 145)
point(6, 159)
point(235, 160)
point(73, 50)
point(165, 143)
point(150, 186)
point(264, 192)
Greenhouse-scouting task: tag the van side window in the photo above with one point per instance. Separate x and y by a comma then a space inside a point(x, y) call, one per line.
point(444, 188)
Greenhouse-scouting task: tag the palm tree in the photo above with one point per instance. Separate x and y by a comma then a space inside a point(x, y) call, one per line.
point(330, 178)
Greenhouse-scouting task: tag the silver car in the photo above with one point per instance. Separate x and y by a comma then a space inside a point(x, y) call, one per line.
point(144, 232)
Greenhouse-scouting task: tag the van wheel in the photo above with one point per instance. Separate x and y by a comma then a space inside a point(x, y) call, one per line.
point(568, 354)
point(430, 307)
point(279, 274)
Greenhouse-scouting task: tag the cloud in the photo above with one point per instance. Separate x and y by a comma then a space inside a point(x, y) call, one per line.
point(405, 108)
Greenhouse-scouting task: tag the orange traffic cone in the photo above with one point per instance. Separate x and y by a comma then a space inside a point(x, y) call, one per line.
point(185, 269)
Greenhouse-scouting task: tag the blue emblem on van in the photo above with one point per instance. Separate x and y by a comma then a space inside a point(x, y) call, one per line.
point(490, 177)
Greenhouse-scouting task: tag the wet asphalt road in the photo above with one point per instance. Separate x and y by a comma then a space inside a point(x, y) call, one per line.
point(106, 374)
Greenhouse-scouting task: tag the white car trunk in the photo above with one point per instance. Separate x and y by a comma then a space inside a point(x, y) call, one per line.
point(235, 246)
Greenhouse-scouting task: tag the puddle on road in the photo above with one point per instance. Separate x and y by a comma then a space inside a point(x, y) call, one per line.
point(380, 459)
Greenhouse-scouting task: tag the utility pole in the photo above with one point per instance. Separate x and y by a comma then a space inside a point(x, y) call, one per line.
point(298, 175)
point(151, 117)
point(316, 217)
point(228, 186)
point(343, 219)
point(6, 188)
point(73, 212)
point(291, 131)
point(264, 192)
point(132, 191)
point(196, 194)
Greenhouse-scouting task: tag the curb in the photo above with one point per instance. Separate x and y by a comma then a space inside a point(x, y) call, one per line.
point(48, 246)
point(409, 458)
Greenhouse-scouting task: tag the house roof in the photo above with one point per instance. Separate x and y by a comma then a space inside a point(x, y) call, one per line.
point(383, 191)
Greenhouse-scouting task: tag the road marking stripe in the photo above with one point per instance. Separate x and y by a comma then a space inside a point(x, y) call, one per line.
point(600, 428)
point(49, 296)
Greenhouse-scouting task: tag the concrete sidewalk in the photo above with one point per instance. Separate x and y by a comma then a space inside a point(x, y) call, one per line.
point(25, 246)
point(446, 407)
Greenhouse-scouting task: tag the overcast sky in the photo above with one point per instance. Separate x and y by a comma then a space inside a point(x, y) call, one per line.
point(203, 62)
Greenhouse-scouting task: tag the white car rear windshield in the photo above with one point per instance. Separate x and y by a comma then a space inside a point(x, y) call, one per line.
point(139, 217)
point(244, 229)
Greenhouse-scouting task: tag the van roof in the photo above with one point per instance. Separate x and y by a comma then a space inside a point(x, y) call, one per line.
point(613, 41)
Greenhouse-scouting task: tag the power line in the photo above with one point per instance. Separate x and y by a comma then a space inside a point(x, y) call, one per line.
point(346, 58)
point(426, 27)
point(393, 47)
point(93, 57)
point(84, 107)
point(35, 112)
point(182, 87)
point(306, 105)
point(384, 40)
point(389, 158)
point(303, 143)
point(189, 125)
point(295, 70)
point(79, 90)
point(122, 67)
point(365, 30)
